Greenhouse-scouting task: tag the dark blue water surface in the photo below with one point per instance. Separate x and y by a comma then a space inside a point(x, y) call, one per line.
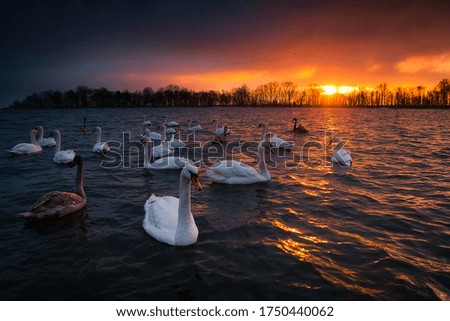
point(379, 230)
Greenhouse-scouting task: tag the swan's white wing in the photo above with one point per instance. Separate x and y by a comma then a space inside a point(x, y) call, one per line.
point(221, 131)
point(161, 151)
point(155, 136)
point(172, 123)
point(195, 128)
point(161, 218)
point(25, 148)
point(47, 142)
point(176, 143)
point(101, 148)
point(278, 142)
point(233, 172)
point(64, 156)
point(169, 162)
point(342, 157)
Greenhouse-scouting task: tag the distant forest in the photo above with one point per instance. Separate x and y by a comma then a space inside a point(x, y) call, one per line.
point(270, 94)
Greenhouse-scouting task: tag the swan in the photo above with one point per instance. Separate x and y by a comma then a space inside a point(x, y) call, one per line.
point(27, 148)
point(195, 128)
point(221, 139)
point(299, 128)
point(341, 156)
point(171, 131)
point(278, 142)
point(219, 131)
point(44, 141)
point(84, 128)
point(58, 204)
point(162, 149)
point(171, 123)
point(168, 162)
point(100, 147)
point(234, 172)
point(176, 143)
point(169, 219)
point(152, 135)
point(61, 156)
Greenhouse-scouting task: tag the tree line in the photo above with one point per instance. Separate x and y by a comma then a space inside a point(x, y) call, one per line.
point(270, 94)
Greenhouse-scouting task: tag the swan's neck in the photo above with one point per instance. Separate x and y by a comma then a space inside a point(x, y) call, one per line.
point(295, 124)
point(184, 205)
point(99, 135)
point(163, 134)
point(217, 125)
point(262, 166)
point(58, 142)
point(79, 181)
point(148, 156)
point(33, 138)
point(263, 133)
point(41, 132)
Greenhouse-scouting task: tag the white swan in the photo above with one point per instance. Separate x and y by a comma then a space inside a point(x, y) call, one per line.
point(152, 135)
point(278, 142)
point(58, 204)
point(219, 131)
point(221, 139)
point(176, 143)
point(162, 149)
point(195, 128)
point(172, 123)
point(169, 219)
point(233, 172)
point(341, 156)
point(100, 147)
point(169, 162)
point(44, 141)
point(27, 148)
point(61, 156)
point(171, 131)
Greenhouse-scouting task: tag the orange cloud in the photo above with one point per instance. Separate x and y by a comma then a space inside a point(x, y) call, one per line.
point(432, 63)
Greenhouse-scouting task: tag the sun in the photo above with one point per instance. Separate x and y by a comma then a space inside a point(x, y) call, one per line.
point(331, 89)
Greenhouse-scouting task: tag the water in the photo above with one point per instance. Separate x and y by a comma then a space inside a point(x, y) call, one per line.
point(378, 230)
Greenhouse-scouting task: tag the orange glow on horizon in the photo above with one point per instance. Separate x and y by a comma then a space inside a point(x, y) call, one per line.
point(331, 89)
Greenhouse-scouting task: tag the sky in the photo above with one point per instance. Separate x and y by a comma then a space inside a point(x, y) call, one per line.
point(204, 45)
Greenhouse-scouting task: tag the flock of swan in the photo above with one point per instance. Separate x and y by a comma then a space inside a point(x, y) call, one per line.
point(167, 219)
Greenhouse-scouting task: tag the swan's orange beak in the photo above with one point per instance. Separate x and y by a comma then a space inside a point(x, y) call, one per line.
point(196, 182)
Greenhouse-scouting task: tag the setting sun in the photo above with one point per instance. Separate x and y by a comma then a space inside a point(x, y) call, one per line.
point(331, 90)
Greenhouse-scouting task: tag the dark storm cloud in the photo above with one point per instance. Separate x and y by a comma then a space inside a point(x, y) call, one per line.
point(58, 45)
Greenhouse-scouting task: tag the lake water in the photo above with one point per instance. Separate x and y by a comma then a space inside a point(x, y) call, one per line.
point(378, 230)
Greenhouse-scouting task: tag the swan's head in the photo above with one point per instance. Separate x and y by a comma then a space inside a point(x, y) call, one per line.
point(214, 121)
point(34, 132)
point(55, 133)
point(190, 171)
point(96, 129)
point(261, 125)
point(294, 119)
point(40, 129)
